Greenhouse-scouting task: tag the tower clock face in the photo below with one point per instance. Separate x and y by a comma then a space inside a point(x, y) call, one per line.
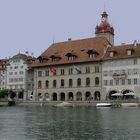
point(103, 19)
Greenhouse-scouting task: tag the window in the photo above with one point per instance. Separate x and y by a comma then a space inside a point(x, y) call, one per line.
point(105, 82)
point(70, 82)
point(135, 61)
point(39, 84)
point(10, 73)
point(96, 81)
point(129, 81)
point(62, 83)
point(10, 80)
point(16, 67)
point(117, 82)
point(135, 71)
point(91, 55)
point(15, 73)
point(71, 56)
point(70, 71)
point(54, 83)
point(21, 72)
point(123, 81)
point(62, 72)
point(135, 81)
point(47, 73)
point(39, 73)
point(78, 82)
point(105, 73)
point(47, 84)
point(21, 67)
point(111, 82)
point(20, 79)
point(111, 54)
point(87, 69)
point(88, 82)
point(96, 69)
point(129, 52)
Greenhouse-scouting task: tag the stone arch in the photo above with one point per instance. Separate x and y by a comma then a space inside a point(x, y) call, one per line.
point(79, 96)
point(110, 93)
point(20, 94)
point(39, 96)
point(127, 91)
point(62, 96)
point(54, 96)
point(47, 96)
point(97, 95)
point(70, 96)
point(87, 96)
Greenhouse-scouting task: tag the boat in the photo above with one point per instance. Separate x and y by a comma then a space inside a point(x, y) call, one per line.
point(103, 105)
point(63, 104)
point(129, 104)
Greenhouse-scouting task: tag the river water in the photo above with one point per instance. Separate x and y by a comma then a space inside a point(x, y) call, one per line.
point(69, 123)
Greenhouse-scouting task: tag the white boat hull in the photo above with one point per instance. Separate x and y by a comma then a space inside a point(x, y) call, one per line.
point(103, 105)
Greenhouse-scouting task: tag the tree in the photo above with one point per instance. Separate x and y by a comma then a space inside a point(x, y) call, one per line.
point(4, 93)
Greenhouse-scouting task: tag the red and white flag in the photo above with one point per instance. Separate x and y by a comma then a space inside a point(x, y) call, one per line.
point(53, 70)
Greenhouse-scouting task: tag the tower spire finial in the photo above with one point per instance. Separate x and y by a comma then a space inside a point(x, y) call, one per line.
point(104, 6)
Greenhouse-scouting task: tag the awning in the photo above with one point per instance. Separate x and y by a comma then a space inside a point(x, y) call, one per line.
point(117, 94)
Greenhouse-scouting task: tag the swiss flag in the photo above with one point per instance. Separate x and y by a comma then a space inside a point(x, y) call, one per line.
point(53, 70)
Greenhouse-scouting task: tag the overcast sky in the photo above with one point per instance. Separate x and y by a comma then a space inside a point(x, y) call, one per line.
point(33, 25)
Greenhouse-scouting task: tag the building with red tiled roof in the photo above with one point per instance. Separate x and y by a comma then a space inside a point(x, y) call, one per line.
point(71, 70)
point(87, 69)
point(121, 70)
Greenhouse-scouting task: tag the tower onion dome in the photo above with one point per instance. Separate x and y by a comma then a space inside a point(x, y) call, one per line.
point(104, 26)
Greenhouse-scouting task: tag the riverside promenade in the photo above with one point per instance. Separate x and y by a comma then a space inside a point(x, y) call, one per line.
point(115, 103)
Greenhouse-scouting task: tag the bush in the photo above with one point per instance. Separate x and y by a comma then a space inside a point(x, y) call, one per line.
point(4, 93)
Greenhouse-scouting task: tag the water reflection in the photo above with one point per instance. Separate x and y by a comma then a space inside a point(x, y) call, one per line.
point(73, 123)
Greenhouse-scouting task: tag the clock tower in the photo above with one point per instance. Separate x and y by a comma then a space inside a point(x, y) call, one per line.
point(105, 29)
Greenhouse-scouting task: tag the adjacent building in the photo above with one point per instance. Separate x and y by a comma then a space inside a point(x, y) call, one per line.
point(121, 69)
point(20, 76)
point(3, 73)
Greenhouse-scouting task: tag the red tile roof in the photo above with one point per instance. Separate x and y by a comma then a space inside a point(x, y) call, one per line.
point(77, 47)
point(121, 52)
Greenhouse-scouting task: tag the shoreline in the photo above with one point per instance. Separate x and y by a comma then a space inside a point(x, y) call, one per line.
point(115, 103)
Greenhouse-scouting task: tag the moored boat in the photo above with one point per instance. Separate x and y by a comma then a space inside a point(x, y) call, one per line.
point(103, 105)
point(129, 104)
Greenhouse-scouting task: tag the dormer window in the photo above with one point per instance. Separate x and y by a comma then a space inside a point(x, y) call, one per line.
point(55, 58)
point(130, 51)
point(111, 54)
point(92, 53)
point(42, 59)
point(71, 56)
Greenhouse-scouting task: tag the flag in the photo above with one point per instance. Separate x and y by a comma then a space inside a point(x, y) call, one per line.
point(77, 69)
point(53, 70)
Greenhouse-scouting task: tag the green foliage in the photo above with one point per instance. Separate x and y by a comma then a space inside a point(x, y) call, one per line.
point(3, 93)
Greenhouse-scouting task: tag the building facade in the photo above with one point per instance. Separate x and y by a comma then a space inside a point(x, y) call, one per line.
point(55, 76)
point(3, 73)
point(19, 76)
point(121, 70)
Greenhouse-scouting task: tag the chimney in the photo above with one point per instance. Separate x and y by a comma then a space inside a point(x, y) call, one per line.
point(135, 43)
point(69, 39)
